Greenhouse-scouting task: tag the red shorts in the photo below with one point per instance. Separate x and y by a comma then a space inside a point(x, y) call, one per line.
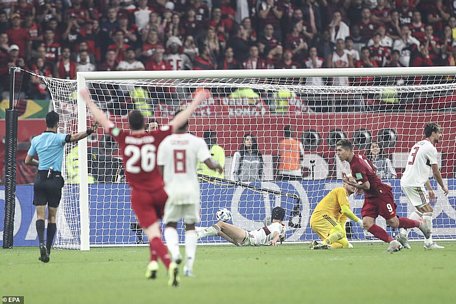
point(148, 206)
point(382, 205)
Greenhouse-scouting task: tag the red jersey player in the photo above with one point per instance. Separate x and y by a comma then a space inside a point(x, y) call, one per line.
point(148, 197)
point(378, 197)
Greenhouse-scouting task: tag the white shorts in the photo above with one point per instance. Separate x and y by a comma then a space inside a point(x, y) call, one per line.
point(189, 212)
point(254, 238)
point(249, 239)
point(418, 196)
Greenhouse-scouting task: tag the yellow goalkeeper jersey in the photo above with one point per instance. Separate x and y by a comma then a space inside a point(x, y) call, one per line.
point(217, 154)
point(331, 205)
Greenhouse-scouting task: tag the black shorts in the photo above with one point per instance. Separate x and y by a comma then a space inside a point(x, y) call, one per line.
point(47, 189)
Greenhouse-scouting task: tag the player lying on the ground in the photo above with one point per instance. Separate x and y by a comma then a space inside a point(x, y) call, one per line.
point(329, 217)
point(267, 235)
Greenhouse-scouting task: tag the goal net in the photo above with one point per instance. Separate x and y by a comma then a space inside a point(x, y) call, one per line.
point(386, 107)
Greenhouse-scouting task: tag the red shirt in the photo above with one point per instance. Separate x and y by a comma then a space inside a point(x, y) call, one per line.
point(139, 159)
point(233, 65)
point(120, 49)
point(19, 36)
point(363, 170)
point(381, 13)
point(421, 61)
point(366, 29)
point(379, 54)
point(52, 51)
point(158, 66)
point(79, 13)
point(250, 64)
point(66, 71)
point(201, 63)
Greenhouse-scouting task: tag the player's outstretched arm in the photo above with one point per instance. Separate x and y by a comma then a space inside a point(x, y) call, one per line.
point(275, 238)
point(98, 114)
point(82, 135)
point(182, 117)
point(213, 165)
point(347, 211)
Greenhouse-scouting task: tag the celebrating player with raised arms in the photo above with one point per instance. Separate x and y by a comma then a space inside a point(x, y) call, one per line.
point(178, 157)
point(378, 197)
point(148, 197)
point(421, 164)
point(267, 235)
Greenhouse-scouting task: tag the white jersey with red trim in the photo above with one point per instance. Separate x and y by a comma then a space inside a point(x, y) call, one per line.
point(264, 235)
point(180, 154)
point(418, 170)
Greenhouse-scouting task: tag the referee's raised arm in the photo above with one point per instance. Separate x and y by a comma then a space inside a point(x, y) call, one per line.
point(98, 114)
point(47, 189)
point(82, 135)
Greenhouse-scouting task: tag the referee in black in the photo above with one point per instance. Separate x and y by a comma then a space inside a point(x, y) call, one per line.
point(47, 189)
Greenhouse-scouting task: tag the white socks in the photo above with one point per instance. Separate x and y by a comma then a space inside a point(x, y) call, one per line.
point(191, 240)
point(209, 231)
point(415, 215)
point(172, 242)
point(427, 217)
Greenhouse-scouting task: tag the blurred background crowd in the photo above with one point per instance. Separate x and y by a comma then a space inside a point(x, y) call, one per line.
point(61, 37)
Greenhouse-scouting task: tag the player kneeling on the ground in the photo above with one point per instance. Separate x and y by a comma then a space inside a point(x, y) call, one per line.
point(328, 218)
point(267, 235)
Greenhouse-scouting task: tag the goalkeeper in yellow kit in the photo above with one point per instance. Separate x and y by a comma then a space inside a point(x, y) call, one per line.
point(329, 217)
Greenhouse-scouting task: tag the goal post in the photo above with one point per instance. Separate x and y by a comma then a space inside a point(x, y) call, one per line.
point(386, 105)
point(272, 73)
point(83, 170)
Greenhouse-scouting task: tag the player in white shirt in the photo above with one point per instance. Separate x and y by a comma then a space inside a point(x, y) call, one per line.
point(422, 164)
point(130, 63)
point(265, 236)
point(178, 156)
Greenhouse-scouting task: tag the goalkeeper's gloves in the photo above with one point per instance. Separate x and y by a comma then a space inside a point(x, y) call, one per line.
point(92, 129)
point(360, 224)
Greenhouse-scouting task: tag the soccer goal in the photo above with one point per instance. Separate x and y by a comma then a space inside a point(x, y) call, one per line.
point(388, 106)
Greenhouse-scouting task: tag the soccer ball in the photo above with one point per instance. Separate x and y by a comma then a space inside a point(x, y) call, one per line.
point(223, 215)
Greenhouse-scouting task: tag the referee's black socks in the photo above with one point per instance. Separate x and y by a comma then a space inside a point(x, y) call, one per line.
point(40, 230)
point(51, 228)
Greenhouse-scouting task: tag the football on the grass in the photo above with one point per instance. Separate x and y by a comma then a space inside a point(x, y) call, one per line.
point(223, 215)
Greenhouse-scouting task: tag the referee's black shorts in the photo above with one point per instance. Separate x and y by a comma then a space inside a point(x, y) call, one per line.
point(48, 189)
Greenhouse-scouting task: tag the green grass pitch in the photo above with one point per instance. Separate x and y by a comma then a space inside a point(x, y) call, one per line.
point(227, 274)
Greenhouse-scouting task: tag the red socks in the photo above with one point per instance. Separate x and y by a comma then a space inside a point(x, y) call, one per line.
point(408, 223)
point(153, 255)
point(157, 248)
point(380, 233)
